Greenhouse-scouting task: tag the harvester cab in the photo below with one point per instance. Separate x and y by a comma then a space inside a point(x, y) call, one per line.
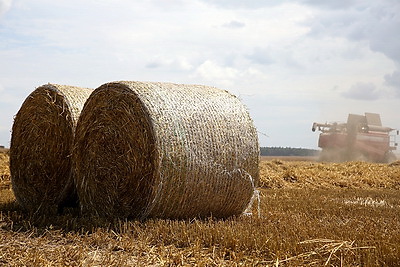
point(362, 137)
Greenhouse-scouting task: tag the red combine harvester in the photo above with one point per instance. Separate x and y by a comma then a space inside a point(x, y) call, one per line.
point(362, 138)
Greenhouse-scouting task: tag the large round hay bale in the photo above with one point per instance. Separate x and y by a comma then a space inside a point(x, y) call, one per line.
point(165, 150)
point(41, 143)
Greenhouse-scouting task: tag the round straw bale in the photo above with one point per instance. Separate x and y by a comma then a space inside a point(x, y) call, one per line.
point(41, 143)
point(164, 150)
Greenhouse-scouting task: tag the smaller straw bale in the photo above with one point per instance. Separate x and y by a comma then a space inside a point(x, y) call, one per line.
point(41, 143)
point(147, 149)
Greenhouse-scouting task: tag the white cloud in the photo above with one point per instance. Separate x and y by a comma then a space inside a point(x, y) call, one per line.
point(5, 5)
point(212, 72)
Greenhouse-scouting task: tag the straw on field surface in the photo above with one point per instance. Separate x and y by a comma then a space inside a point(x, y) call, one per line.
point(4, 171)
point(354, 174)
point(41, 143)
point(165, 150)
point(4, 164)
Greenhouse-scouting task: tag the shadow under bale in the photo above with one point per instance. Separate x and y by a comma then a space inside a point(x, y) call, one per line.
point(146, 149)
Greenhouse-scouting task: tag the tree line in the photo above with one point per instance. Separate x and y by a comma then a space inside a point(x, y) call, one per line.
point(287, 151)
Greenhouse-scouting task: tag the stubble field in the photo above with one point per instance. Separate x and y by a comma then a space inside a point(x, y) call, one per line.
point(310, 214)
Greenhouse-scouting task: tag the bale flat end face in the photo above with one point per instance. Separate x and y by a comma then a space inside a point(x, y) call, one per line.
point(41, 143)
point(114, 155)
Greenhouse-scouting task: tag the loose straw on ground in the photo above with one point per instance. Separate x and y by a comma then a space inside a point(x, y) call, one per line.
point(41, 143)
point(165, 150)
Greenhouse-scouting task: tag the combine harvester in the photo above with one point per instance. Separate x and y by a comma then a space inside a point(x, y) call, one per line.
point(362, 138)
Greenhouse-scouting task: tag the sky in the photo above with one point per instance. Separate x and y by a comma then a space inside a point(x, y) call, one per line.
point(291, 62)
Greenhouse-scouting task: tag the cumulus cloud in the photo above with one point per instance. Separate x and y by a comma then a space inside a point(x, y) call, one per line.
point(4, 6)
point(362, 91)
point(211, 71)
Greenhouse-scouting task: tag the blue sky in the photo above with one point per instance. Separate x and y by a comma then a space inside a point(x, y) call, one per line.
point(290, 62)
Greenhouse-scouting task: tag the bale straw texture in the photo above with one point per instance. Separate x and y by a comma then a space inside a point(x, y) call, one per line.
point(165, 150)
point(41, 143)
